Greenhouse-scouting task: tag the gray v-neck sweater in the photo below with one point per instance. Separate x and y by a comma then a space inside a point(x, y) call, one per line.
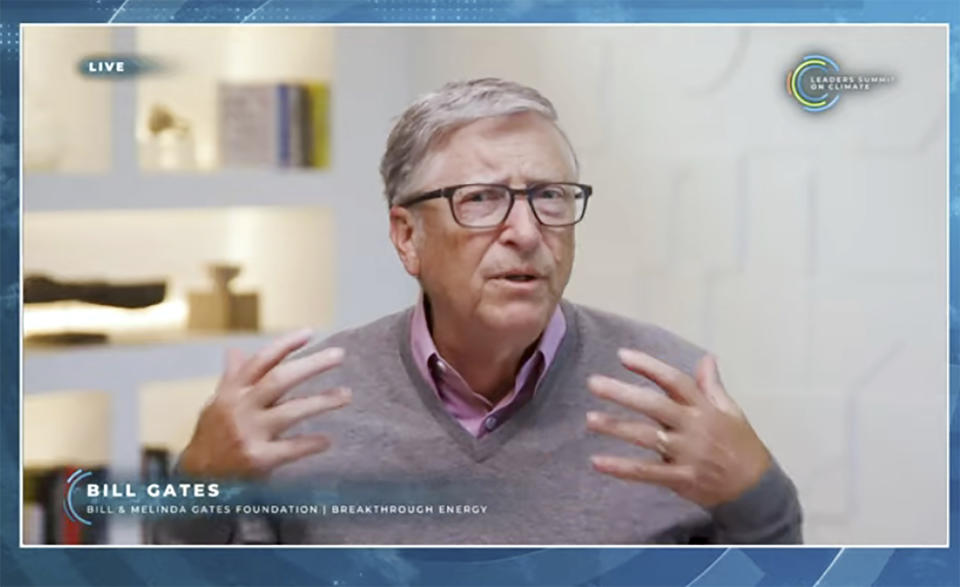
point(528, 481)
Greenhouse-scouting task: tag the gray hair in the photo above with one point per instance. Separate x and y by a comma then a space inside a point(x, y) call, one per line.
point(434, 115)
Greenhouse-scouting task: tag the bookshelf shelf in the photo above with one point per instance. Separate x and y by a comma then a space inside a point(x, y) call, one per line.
point(371, 81)
point(253, 187)
point(120, 372)
point(83, 367)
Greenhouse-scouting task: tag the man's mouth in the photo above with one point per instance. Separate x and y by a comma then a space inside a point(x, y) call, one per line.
point(520, 276)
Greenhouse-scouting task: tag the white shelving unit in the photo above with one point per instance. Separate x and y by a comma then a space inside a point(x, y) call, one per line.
point(183, 190)
point(369, 88)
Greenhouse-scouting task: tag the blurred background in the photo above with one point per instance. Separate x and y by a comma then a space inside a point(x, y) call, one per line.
point(232, 194)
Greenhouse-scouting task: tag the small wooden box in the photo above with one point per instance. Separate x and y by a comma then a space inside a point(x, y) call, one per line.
point(220, 310)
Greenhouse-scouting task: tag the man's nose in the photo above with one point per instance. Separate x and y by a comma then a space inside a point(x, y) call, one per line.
point(521, 226)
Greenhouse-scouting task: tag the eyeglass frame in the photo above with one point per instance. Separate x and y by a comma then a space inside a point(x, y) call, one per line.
point(447, 192)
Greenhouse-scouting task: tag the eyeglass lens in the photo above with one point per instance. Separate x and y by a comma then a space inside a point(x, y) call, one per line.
point(488, 205)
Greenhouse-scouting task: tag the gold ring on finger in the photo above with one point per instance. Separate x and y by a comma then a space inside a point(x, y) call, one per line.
point(662, 445)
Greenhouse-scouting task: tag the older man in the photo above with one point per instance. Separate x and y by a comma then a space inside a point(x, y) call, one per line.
point(555, 423)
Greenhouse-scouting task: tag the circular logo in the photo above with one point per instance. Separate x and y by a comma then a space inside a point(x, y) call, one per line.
point(75, 478)
point(802, 88)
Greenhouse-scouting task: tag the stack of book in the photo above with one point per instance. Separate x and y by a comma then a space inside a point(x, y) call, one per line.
point(274, 125)
point(45, 519)
point(45, 490)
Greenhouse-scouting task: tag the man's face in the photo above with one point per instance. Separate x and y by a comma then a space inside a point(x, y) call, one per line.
point(470, 274)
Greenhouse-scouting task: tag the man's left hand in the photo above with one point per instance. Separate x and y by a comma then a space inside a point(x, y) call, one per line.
point(709, 452)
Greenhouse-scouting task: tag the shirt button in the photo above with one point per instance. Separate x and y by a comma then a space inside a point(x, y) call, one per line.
point(490, 423)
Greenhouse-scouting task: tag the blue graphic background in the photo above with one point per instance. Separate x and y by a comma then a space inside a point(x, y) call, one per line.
point(656, 566)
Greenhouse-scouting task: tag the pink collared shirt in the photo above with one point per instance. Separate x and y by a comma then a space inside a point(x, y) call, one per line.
point(474, 412)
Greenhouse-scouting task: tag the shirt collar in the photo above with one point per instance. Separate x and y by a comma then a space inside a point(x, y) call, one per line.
point(423, 348)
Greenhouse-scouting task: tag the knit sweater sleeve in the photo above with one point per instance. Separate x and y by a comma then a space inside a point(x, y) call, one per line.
point(767, 513)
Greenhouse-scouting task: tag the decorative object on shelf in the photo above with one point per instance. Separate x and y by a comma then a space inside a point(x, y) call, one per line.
point(170, 145)
point(274, 125)
point(41, 288)
point(56, 339)
point(222, 309)
point(61, 312)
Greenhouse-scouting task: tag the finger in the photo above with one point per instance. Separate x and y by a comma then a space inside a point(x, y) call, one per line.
point(632, 431)
point(707, 375)
point(233, 360)
point(645, 400)
point(271, 355)
point(286, 450)
point(708, 379)
point(675, 382)
point(668, 475)
point(287, 375)
point(286, 414)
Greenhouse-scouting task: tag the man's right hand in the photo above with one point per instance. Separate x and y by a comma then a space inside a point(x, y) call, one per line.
point(237, 434)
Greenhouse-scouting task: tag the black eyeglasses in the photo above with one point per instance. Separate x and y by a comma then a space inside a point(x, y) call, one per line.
point(487, 205)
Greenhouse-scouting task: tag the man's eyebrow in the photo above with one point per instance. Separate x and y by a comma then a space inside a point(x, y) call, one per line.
point(530, 181)
point(537, 181)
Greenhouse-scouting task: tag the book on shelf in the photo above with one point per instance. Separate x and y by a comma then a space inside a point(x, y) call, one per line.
point(154, 468)
point(274, 125)
point(45, 490)
point(45, 518)
point(318, 114)
point(249, 134)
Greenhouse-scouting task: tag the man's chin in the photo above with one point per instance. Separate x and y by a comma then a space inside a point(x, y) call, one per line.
point(519, 316)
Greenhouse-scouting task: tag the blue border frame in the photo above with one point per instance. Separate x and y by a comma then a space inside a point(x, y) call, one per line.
point(740, 566)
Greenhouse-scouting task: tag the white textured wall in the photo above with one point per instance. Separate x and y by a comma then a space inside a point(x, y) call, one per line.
point(807, 251)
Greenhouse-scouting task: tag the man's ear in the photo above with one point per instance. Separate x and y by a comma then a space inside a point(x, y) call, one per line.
point(403, 233)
